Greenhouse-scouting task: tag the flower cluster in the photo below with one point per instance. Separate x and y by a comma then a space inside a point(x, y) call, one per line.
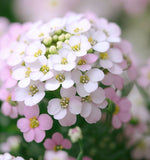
point(77, 56)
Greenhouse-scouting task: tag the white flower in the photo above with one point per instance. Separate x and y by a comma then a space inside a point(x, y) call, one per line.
point(111, 60)
point(75, 134)
point(78, 26)
point(42, 69)
point(31, 95)
point(38, 31)
point(88, 82)
point(59, 78)
point(64, 61)
point(34, 51)
point(79, 44)
point(18, 54)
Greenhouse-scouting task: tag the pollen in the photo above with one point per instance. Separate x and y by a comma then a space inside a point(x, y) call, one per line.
point(57, 147)
point(76, 30)
point(27, 73)
point(104, 56)
point(117, 109)
point(81, 62)
point(40, 35)
point(84, 79)
point(64, 60)
point(76, 47)
point(64, 102)
point(33, 90)
point(34, 122)
point(38, 53)
point(86, 99)
point(60, 77)
point(44, 69)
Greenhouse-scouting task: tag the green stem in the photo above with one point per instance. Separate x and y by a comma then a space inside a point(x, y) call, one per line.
point(80, 155)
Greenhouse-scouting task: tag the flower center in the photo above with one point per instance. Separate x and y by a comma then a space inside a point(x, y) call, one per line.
point(117, 109)
point(92, 41)
point(40, 35)
point(104, 56)
point(34, 122)
point(81, 62)
point(86, 99)
point(38, 53)
point(64, 60)
point(64, 102)
point(76, 47)
point(12, 103)
point(33, 90)
point(84, 79)
point(76, 30)
point(27, 73)
point(60, 77)
point(44, 69)
point(58, 147)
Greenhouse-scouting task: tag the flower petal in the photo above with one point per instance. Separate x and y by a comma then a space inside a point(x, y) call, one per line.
point(31, 112)
point(54, 106)
point(57, 138)
point(23, 124)
point(49, 144)
point(29, 136)
point(39, 135)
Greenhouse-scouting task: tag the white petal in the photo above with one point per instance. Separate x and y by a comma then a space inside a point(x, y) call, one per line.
point(90, 86)
point(115, 55)
point(61, 114)
point(81, 91)
point(106, 63)
point(54, 106)
point(36, 75)
point(52, 84)
point(116, 69)
point(24, 83)
point(101, 46)
point(19, 73)
point(76, 76)
point(21, 94)
point(33, 100)
point(47, 76)
point(103, 105)
point(68, 83)
point(95, 74)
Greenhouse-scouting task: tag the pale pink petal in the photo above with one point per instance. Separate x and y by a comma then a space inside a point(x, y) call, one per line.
point(116, 122)
point(94, 116)
point(39, 135)
point(54, 106)
point(90, 58)
point(14, 112)
point(29, 136)
point(61, 114)
point(31, 112)
point(124, 105)
point(67, 83)
point(23, 124)
point(106, 63)
point(115, 55)
point(108, 79)
point(98, 96)
point(57, 138)
point(86, 109)
point(75, 106)
point(6, 108)
point(52, 84)
point(101, 46)
point(116, 69)
point(68, 92)
point(66, 144)
point(95, 74)
point(49, 144)
point(76, 76)
point(45, 122)
point(124, 116)
point(90, 86)
point(118, 81)
point(110, 93)
point(81, 91)
point(69, 120)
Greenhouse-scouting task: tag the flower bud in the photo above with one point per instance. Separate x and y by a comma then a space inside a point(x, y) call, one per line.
point(75, 134)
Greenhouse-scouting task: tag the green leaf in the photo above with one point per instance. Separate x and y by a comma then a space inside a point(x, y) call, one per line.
point(127, 89)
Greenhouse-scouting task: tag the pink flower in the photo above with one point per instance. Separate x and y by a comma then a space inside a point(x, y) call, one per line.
point(34, 125)
point(121, 112)
point(111, 79)
point(60, 155)
point(10, 107)
point(57, 142)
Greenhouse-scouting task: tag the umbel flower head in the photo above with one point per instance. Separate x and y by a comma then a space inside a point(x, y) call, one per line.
point(76, 55)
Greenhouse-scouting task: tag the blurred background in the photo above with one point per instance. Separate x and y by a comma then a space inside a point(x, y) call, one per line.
point(133, 16)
